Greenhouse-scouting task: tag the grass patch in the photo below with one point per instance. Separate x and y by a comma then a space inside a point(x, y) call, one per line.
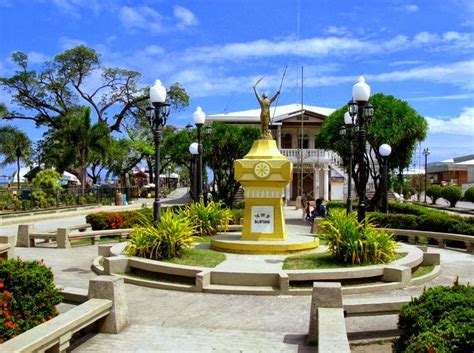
point(88, 241)
point(159, 277)
point(204, 240)
point(422, 270)
point(198, 257)
point(318, 260)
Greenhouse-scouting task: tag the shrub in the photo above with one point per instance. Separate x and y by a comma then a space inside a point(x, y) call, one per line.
point(207, 219)
point(434, 192)
point(469, 194)
point(118, 220)
point(237, 214)
point(438, 222)
point(45, 187)
point(28, 296)
point(440, 320)
point(164, 240)
point(452, 193)
point(354, 242)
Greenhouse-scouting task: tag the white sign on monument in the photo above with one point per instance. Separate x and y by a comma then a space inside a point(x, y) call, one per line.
point(262, 219)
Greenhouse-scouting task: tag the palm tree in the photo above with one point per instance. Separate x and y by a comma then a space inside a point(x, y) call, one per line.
point(14, 145)
point(77, 137)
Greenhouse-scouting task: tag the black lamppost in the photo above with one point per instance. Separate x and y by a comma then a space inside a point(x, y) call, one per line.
point(385, 151)
point(347, 133)
point(157, 115)
point(360, 106)
point(199, 117)
point(194, 150)
point(426, 153)
point(169, 178)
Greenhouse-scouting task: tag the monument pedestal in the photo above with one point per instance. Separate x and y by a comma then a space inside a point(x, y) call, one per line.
point(264, 172)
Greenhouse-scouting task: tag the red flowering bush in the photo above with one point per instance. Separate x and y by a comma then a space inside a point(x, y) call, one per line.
point(115, 220)
point(28, 296)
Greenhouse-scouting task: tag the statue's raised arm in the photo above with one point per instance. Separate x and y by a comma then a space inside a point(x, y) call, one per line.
point(274, 97)
point(264, 111)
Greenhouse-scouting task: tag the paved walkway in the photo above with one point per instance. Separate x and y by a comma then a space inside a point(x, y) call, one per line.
point(168, 321)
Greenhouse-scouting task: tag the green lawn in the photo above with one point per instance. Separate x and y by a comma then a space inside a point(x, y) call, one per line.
point(198, 257)
point(317, 260)
point(422, 270)
point(88, 241)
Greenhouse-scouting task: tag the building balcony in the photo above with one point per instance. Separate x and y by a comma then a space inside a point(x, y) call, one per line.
point(317, 156)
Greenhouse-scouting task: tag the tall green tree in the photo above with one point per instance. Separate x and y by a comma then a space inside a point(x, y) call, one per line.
point(75, 139)
point(394, 122)
point(3, 110)
point(14, 146)
point(226, 144)
point(65, 83)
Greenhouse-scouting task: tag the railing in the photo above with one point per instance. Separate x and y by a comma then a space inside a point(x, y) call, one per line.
point(27, 199)
point(312, 155)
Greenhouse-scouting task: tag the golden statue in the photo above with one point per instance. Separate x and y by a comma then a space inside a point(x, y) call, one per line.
point(265, 111)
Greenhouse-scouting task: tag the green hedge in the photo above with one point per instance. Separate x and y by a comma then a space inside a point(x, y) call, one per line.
point(452, 194)
point(28, 296)
point(440, 320)
point(469, 194)
point(430, 223)
point(416, 217)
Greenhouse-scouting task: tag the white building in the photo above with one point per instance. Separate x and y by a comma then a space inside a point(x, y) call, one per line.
point(319, 172)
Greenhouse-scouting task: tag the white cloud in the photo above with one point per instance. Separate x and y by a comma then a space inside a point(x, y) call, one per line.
point(141, 17)
point(185, 17)
point(461, 125)
point(36, 58)
point(411, 8)
point(459, 74)
point(337, 30)
point(445, 97)
point(332, 45)
point(405, 62)
point(69, 43)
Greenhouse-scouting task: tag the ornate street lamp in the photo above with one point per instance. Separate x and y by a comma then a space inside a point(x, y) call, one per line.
point(199, 117)
point(426, 153)
point(347, 133)
point(157, 115)
point(194, 150)
point(385, 151)
point(189, 129)
point(365, 111)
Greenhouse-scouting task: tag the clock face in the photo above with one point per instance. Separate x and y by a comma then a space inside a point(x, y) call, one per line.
point(261, 170)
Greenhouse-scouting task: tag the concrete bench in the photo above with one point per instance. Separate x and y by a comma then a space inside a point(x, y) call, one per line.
point(374, 306)
point(327, 326)
point(95, 235)
point(27, 235)
point(332, 334)
point(4, 248)
point(80, 227)
point(105, 305)
point(7, 247)
point(63, 236)
point(441, 238)
point(56, 333)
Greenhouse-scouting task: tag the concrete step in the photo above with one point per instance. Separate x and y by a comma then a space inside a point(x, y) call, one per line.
point(243, 290)
point(156, 338)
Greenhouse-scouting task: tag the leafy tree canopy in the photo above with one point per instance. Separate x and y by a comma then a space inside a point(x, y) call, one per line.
point(226, 144)
point(65, 83)
point(394, 122)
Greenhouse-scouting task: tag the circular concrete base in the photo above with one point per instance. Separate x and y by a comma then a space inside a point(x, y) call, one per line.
point(231, 242)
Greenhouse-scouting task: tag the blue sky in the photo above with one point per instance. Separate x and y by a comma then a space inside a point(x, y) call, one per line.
point(419, 51)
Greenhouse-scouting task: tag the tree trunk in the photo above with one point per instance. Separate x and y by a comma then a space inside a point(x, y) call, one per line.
point(18, 172)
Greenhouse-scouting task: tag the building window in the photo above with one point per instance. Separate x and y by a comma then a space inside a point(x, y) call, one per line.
point(286, 141)
point(305, 141)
